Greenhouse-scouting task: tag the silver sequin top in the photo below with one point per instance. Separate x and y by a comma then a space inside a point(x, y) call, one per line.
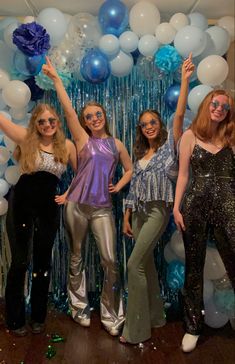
point(46, 162)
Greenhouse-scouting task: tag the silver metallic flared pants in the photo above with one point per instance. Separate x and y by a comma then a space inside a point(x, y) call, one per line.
point(78, 218)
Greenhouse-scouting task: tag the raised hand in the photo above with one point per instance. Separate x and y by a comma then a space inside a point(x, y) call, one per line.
point(49, 70)
point(188, 67)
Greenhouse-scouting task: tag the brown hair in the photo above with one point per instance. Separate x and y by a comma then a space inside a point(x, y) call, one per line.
point(201, 125)
point(27, 152)
point(141, 142)
point(82, 117)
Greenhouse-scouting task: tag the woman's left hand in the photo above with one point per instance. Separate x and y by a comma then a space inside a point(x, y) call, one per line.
point(61, 199)
point(113, 189)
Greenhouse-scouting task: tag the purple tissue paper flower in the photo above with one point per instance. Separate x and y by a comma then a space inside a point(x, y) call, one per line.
point(31, 39)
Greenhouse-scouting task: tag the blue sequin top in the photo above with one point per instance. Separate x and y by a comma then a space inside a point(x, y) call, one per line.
point(153, 183)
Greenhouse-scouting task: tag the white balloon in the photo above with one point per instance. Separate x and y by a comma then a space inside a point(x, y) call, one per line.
point(12, 174)
point(3, 105)
point(198, 20)
point(148, 45)
point(8, 34)
point(177, 244)
point(6, 114)
point(179, 20)
point(4, 78)
point(128, 41)
point(4, 155)
point(212, 70)
point(165, 33)
point(122, 64)
point(190, 39)
point(213, 317)
point(196, 96)
point(169, 255)
point(4, 187)
point(109, 45)
point(208, 51)
point(18, 113)
point(54, 22)
point(214, 266)
point(228, 23)
point(220, 38)
point(16, 94)
point(3, 206)
point(3, 167)
point(208, 290)
point(10, 145)
point(144, 17)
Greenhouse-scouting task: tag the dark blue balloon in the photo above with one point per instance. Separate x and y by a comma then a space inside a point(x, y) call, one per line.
point(113, 17)
point(172, 95)
point(95, 66)
point(175, 275)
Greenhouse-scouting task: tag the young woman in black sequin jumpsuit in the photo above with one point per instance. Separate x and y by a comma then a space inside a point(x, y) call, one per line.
point(208, 147)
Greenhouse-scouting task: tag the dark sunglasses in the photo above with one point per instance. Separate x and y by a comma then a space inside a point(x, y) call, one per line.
point(215, 104)
point(90, 117)
point(144, 125)
point(51, 121)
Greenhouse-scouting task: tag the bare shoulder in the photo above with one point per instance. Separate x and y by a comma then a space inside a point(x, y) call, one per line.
point(119, 144)
point(69, 144)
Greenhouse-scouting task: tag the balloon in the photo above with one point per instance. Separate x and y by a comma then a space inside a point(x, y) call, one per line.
point(3, 167)
point(172, 95)
point(198, 20)
point(220, 38)
point(4, 155)
point(147, 70)
point(148, 45)
point(179, 20)
point(113, 17)
point(209, 50)
point(212, 70)
point(10, 145)
point(228, 22)
point(6, 59)
point(196, 96)
point(128, 41)
point(109, 45)
point(190, 39)
point(177, 244)
point(214, 266)
point(28, 66)
point(188, 118)
point(4, 78)
point(208, 290)
point(144, 18)
point(8, 34)
point(12, 174)
point(223, 283)
point(4, 187)
point(165, 33)
point(16, 94)
point(53, 21)
point(3, 206)
point(4, 23)
point(95, 66)
point(169, 255)
point(175, 275)
point(225, 301)
point(213, 317)
point(122, 64)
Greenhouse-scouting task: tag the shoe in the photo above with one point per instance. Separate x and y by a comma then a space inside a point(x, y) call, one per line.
point(112, 331)
point(83, 321)
point(189, 342)
point(22, 331)
point(37, 327)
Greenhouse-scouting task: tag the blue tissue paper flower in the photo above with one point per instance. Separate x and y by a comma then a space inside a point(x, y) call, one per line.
point(167, 59)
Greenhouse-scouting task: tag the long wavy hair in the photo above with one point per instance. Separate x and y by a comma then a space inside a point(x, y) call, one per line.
point(201, 125)
point(83, 121)
point(141, 145)
point(27, 152)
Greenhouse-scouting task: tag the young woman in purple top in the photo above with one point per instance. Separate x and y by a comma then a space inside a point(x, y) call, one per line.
point(89, 205)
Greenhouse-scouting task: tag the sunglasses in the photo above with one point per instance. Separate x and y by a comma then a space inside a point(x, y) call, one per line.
point(52, 121)
point(144, 125)
point(215, 104)
point(90, 117)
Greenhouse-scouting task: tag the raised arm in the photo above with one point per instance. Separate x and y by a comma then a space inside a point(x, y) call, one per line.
point(78, 133)
point(187, 70)
point(127, 165)
point(186, 146)
point(15, 132)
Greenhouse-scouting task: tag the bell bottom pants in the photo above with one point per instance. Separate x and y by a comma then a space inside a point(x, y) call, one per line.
point(145, 305)
point(78, 218)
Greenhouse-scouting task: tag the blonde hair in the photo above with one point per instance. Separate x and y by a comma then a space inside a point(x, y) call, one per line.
point(27, 152)
point(201, 125)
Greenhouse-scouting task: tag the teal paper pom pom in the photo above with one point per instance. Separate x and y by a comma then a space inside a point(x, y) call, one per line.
point(167, 59)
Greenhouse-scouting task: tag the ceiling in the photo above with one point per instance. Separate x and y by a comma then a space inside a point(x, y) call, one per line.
point(212, 9)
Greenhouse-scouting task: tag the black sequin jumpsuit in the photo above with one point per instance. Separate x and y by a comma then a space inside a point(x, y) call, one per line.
point(209, 202)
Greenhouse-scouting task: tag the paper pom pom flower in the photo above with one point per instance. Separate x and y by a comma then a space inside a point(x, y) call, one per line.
point(167, 59)
point(46, 83)
point(31, 39)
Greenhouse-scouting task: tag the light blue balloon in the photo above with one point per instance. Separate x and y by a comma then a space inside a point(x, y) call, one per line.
point(95, 66)
point(113, 17)
point(4, 23)
point(6, 58)
point(225, 301)
point(188, 118)
point(28, 66)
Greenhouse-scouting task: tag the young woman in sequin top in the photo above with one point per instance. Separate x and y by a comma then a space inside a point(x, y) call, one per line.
point(148, 206)
point(89, 205)
point(208, 147)
point(33, 214)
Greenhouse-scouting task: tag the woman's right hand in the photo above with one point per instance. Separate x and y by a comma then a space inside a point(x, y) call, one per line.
point(179, 221)
point(127, 230)
point(49, 70)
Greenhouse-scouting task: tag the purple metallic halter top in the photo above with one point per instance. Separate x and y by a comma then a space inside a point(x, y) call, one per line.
point(97, 162)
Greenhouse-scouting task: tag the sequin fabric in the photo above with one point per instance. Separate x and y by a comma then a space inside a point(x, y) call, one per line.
point(46, 162)
point(209, 203)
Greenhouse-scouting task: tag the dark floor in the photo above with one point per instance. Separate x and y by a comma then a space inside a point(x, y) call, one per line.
point(94, 346)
